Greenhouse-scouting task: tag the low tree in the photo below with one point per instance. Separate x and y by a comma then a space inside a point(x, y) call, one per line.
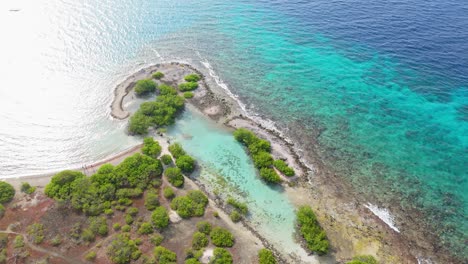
point(221, 237)
point(186, 163)
point(168, 192)
point(166, 159)
point(176, 150)
point(284, 168)
point(188, 86)
point(145, 228)
point(151, 147)
point(151, 200)
point(160, 218)
point(262, 159)
point(174, 176)
point(61, 185)
point(143, 87)
point(221, 256)
point(164, 255)
point(199, 240)
point(269, 175)
point(204, 227)
point(7, 192)
point(311, 231)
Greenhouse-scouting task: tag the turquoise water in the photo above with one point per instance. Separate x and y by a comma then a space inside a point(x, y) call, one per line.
point(375, 90)
point(227, 170)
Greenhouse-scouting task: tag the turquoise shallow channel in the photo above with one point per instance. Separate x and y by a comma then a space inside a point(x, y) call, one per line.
point(227, 170)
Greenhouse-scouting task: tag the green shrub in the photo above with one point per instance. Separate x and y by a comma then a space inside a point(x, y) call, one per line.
point(269, 175)
point(235, 216)
point(164, 255)
point(364, 259)
point(168, 193)
point(122, 250)
point(242, 207)
point(167, 90)
point(143, 87)
point(158, 75)
point(27, 188)
point(245, 136)
point(18, 242)
point(221, 237)
point(128, 193)
point(116, 226)
point(265, 256)
point(98, 225)
point(91, 256)
point(156, 239)
point(216, 214)
point(145, 228)
point(160, 218)
point(262, 159)
point(193, 204)
point(7, 192)
point(283, 167)
point(221, 256)
point(188, 95)
point(36, 232)
point(133, 211)
point(56, 241)
point(108, 212)
point(174, 176)
point(129, 219)
point(204, 227)
point(87, 235)
point(185, 163)
point(151, 200)
point(311, 231)
point(139, 124)
point(126, 228)
point(199, 240)
point(188, 86)
point(192, 77)
point(192, 261)
point(166, 159)
point(259, 145)
point(151, 147)
point(176, 150)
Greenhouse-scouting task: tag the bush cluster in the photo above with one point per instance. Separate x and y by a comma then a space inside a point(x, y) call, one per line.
point(176, 150)
point(122, 249)
point(193, 204)
point(221, 256)
point(192, 77)
point(166, 159)
point(109, 185)
point(183, 161)
point(283, 167)
point(36, 232)
point(188, 86)
point(199, 240)
point(164, 255)
point(144, 87)
point(311, 231)
point(259, 150)
point(174, 176)
point(151, 200)
point(161, 112)
point(204, 227)
point(168, 192)
point(265, 256)
point(221, 237)
point(98, 225)
point(188, 95)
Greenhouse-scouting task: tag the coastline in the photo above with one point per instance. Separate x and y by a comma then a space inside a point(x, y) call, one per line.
point(352, 228)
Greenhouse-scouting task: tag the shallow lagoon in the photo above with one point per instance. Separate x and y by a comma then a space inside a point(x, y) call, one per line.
point(226, 169)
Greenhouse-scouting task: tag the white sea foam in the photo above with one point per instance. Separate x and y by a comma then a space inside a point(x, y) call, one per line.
point(383, 214)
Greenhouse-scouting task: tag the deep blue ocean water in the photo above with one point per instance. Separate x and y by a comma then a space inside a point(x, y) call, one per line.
point(377, 90)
